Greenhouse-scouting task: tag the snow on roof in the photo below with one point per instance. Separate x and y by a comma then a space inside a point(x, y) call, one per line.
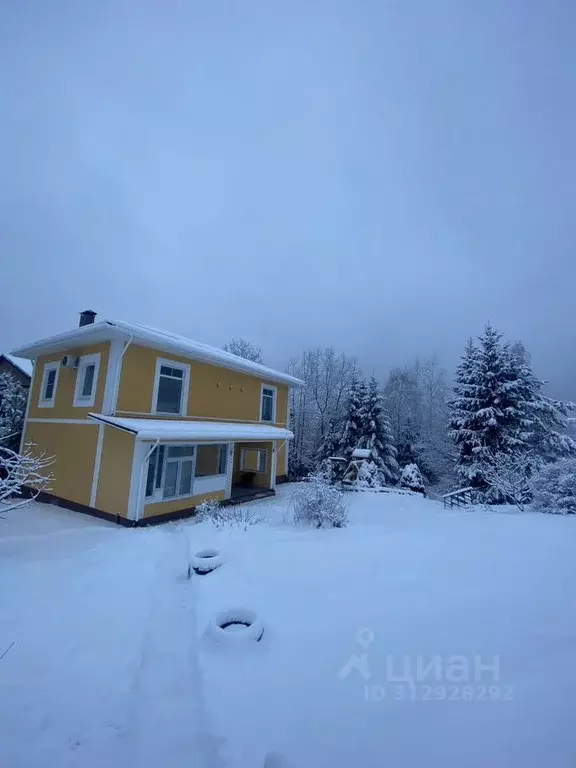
point(361, 453)
point(167, 429)
point(153, 337)
point(22, 364)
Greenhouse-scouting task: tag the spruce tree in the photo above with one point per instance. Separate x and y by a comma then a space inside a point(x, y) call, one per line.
point(543, 421)
point(377, 435)
point(330, 446)
point(353, 429)
point(463, 409)
point(489, 414)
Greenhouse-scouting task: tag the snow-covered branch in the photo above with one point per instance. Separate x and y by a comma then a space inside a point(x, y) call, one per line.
point(22, 469)
point(510, 477)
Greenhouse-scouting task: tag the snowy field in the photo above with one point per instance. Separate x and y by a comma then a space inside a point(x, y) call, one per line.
point(108, 662)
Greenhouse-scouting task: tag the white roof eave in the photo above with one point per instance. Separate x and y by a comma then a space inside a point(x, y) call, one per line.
point(169, 430)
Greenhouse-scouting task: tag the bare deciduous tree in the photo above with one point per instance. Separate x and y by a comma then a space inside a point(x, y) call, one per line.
point(327, 376)
point(510, 477)
point(245, 349)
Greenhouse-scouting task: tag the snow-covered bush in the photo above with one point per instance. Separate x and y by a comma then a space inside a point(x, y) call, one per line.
point(368, 475)
point(227, 516)
point(208, 510)
point(29, 469)
point(412, 479)
point(318, 503)
point(554, 487)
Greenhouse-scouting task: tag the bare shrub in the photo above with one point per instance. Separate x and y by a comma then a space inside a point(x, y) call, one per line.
point(320, 504)
point(228, 516)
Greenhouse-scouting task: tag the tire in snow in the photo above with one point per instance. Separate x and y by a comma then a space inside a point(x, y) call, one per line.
point(235, 628)
point(206, 560)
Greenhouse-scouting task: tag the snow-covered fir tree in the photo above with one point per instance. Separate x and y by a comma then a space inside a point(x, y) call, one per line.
point(13, 398)
point(353, 429)
point(412, 479)
point(463, 423)
point(543, 421)
point(376, 434)
point(499, 408)
point(486, 416)
point(330, 446)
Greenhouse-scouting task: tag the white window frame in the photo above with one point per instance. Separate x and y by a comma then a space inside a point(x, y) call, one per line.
point(85, 361)
point(179, 460)
point(160, 361)
point(49, 402)
point(157, 494)
point(259, 451)
point(275, 390)
point(198, 483)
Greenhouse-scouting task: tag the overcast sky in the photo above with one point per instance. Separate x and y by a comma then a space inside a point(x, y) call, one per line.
point(381, 176)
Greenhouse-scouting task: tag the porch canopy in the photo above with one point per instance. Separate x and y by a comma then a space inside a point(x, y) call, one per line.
point(195, 431)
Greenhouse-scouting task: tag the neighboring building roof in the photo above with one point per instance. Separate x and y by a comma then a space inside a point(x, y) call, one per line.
point(151, 337)
point(361, 453)
point(166, 429)
point(23, 365)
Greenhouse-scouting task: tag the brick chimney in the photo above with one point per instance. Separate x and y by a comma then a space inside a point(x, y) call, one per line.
point(87, 317)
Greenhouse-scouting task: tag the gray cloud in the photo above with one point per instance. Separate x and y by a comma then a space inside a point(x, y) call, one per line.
point(385, 177)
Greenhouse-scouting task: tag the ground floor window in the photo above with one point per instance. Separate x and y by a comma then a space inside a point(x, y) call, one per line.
point(173, 468)
point(178, 471)
point(253, 460)
point(211, 460)
point(155, 468)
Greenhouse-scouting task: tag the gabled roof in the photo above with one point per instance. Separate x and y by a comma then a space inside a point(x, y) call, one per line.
point(164, 341)
point(25, 366)
point(172, 429)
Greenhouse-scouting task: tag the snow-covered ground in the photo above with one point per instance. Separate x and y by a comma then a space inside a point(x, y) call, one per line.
point(110, 665)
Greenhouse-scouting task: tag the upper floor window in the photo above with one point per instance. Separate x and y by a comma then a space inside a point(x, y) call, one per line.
point(49, 384)
point(171, 387)
point(86, 381)
point(268, 403)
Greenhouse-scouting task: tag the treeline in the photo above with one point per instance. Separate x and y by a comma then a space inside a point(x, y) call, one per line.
point(414, 403)
point(490, 429)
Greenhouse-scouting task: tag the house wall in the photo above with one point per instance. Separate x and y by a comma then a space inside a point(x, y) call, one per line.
point(115, 471)
point(177, 505)
point(63, 407)
point(73, 447)
point(281, 468)
point(214, 392)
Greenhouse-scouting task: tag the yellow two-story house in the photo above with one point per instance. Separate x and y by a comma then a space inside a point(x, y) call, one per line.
point(144, 425)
